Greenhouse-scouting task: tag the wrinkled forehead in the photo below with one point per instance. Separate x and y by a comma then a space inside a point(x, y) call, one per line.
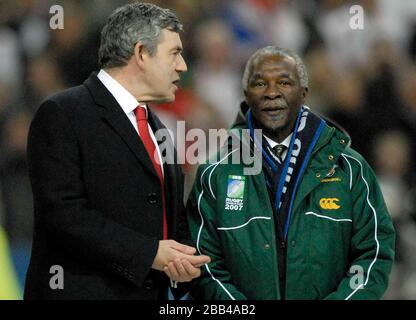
point(169, 40)
point(270, 62)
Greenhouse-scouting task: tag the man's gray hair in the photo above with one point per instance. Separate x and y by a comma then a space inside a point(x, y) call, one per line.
point(132, 23)
point(279, 52)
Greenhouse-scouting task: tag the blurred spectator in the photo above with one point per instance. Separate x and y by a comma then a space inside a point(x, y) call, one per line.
point(322, 79)
point(15, 187)
point(44, 78)
point(216, 78)
point(11, 65)
point(347, 48)
point(395, 20)
point(245, 18)
point(383, 99)
point(408, 94)
point(407, 88)
point(33, 29)
point(17, 195)
point(349, 110)
point(76, 46)
point(259, 22)
point(412, 42)
point(286, 26)
point(383, 20)
point(195, 113)
point(392, 165)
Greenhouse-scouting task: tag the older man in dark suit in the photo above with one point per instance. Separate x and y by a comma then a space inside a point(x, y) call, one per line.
point(107, 205)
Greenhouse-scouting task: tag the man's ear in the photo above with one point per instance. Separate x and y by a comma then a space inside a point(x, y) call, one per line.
point(246, 97)
point(304, 93)
point(140, 53)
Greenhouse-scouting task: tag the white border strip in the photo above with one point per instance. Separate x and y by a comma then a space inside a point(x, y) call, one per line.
point(326, 217)
point(358, 288)
point(215, 166)
point(202, 223)
point(243, 225)
point(349, 164)
point(375, 224)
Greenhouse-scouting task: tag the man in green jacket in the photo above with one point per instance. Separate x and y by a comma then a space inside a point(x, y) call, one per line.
point(311, 223)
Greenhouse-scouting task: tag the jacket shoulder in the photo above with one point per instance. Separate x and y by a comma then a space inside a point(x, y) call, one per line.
point(64, 105)
point(354, 156)
point(216, 161)
point(225, 162)
point(69, 97)
point(359, 169)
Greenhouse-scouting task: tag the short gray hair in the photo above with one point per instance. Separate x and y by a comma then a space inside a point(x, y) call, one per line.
point(279, 52)
point(132, 23)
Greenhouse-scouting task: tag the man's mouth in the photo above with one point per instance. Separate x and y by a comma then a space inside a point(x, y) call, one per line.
point(176, 83)
point(274, 110)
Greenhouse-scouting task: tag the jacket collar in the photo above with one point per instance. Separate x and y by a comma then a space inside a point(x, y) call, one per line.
point(113, 114)
point(123, 97)
point(329, 147)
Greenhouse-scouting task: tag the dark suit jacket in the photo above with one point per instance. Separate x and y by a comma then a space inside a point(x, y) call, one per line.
point(97, 200)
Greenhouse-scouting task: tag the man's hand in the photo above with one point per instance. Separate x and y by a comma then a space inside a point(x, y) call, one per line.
point(178, 261)
point(182, 271)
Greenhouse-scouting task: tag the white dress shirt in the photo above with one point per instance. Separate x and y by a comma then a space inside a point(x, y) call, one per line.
point(285, 142)
point(128, 103)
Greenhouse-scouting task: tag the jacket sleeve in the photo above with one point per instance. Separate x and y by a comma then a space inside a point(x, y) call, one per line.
point(373, 239)
point(62, 209)
point(215, 282)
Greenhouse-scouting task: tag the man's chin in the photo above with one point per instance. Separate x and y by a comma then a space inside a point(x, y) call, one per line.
point(275, 128)
point(272, 132)
point(167, 99)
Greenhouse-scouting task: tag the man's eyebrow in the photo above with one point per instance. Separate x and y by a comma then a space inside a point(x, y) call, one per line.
point(177, 49)
point(256, 76)
point(259, 75)
point(285, 75)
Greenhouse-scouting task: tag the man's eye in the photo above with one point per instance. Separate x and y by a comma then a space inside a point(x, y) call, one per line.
point(259, 84)
point(285, 83)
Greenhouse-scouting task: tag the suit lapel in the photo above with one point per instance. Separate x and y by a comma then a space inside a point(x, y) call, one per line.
point(117, 119)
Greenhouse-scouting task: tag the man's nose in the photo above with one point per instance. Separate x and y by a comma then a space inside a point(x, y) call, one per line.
point(272, 92)
point(181, 65)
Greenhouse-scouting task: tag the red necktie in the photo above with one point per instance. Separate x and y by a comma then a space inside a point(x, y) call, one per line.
point(143, 125)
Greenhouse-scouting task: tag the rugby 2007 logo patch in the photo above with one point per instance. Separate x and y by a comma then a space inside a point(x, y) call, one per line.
point(235, 193)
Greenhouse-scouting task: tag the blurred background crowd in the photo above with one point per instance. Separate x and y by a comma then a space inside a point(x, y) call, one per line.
point(365, 80)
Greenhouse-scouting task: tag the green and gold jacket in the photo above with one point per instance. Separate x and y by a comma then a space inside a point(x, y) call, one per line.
point(340, 242)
